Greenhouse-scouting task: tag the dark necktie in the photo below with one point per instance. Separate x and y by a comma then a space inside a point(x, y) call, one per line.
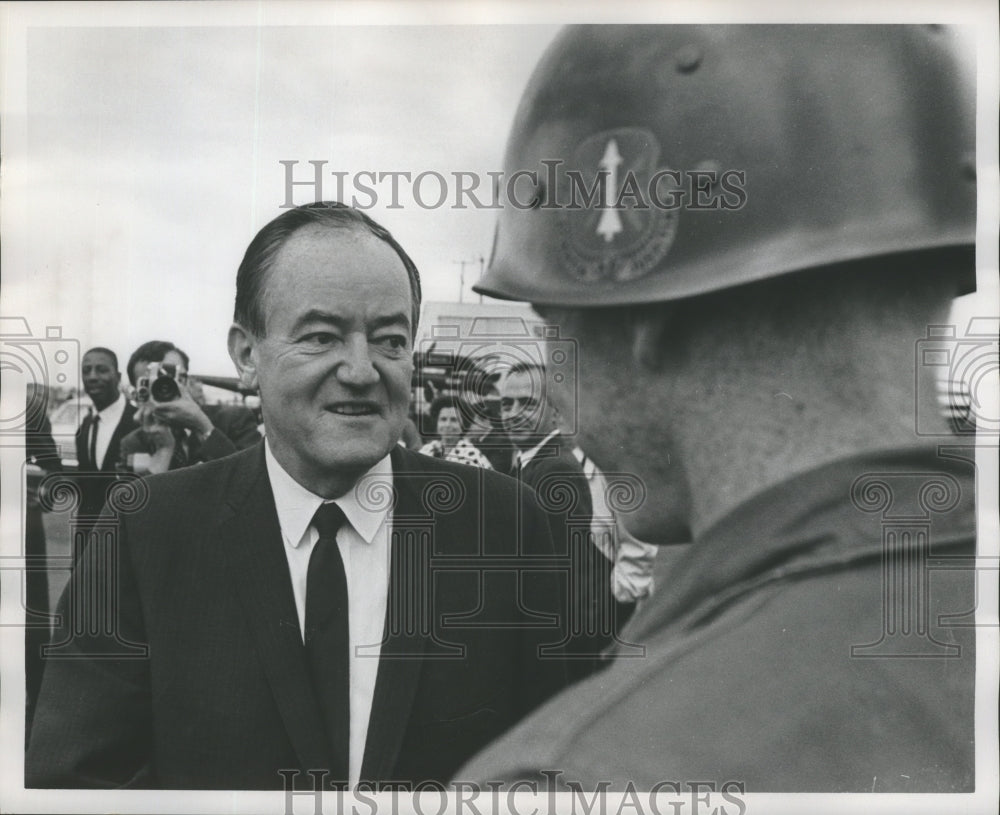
point(327, 638)
point(93, 441)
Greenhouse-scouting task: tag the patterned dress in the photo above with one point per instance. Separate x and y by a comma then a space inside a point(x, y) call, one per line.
point(465, 452)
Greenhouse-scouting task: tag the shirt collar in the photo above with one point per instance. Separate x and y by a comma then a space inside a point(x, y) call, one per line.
point(112, 414)
point(524, 457)
point(296, 505)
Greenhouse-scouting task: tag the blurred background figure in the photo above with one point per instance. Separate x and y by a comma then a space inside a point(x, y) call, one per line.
point(545, 462)
point(98, 441)
point(177, 427)
point(633, 561)
point(42, 459)
point(447, 417)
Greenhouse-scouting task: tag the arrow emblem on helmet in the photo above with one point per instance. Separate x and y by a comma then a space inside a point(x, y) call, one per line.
point(611, 222)
point(608, 232)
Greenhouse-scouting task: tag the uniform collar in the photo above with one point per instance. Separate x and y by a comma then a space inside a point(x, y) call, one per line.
point(827, 518)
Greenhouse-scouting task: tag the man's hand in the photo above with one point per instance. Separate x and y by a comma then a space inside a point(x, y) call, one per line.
point(183, 412)
point(160, 436)
point(157, 432)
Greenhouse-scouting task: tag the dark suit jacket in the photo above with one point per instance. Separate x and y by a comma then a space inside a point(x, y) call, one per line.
point(204, 684)
point(235, 429)
point(94, 480)
point(498, 449)
point(40, 449)
point(564, 493)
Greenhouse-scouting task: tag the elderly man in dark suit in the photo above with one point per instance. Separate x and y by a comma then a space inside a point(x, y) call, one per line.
point(98, 440)
point(326, 601)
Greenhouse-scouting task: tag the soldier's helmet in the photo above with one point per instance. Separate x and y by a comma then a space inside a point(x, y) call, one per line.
point(673, 161)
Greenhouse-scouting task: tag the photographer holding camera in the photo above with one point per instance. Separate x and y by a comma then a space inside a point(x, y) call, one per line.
point(176, 427)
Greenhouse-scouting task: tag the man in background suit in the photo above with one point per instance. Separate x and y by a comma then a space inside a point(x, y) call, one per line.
point(239, 659)
point(98, 439)
point(545, 462)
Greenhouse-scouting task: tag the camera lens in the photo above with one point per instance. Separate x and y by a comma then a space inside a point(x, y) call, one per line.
point(164, 389)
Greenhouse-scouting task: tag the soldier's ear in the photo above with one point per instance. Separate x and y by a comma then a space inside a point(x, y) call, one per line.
point(649, 327)
point(242, 350)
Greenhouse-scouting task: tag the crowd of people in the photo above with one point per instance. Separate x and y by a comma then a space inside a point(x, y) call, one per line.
point(360, 599)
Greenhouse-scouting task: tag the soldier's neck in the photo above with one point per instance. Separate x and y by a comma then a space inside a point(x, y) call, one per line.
point(752, 440)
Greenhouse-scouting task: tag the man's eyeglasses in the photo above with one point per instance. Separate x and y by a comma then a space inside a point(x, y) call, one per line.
point(522, 403)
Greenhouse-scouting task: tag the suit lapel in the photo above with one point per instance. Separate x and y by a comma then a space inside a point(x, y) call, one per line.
point(251, 537)
point(125, 425)
point(401, 656)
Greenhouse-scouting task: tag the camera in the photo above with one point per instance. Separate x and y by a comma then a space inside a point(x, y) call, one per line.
point(159, 383)
point(468, 355)
point(964, 369)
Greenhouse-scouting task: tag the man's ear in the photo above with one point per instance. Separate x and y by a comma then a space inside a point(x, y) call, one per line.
point(649, 329)
point(242, 350)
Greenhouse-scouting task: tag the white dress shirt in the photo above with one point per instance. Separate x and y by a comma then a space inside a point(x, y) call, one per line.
point(524, 456)
point(632, 574)
point(364, 548)
point(109, 419)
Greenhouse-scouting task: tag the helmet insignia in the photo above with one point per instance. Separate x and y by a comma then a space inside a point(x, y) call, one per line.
point(613, 229)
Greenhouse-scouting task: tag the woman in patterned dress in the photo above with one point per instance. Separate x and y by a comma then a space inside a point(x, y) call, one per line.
point(449, 421)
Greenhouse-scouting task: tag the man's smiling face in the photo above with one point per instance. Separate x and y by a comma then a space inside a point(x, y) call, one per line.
point(335, 362)
point(100, 378)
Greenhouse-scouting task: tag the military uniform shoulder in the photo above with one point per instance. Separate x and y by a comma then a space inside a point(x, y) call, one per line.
point(556, 739)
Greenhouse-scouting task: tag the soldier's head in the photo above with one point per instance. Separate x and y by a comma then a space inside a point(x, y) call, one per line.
point(756, 221)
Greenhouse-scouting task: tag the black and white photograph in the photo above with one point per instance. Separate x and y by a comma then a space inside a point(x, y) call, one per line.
point(490, 407)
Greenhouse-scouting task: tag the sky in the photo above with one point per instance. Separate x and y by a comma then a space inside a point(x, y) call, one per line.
point(143, 146)
point(152, 156)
